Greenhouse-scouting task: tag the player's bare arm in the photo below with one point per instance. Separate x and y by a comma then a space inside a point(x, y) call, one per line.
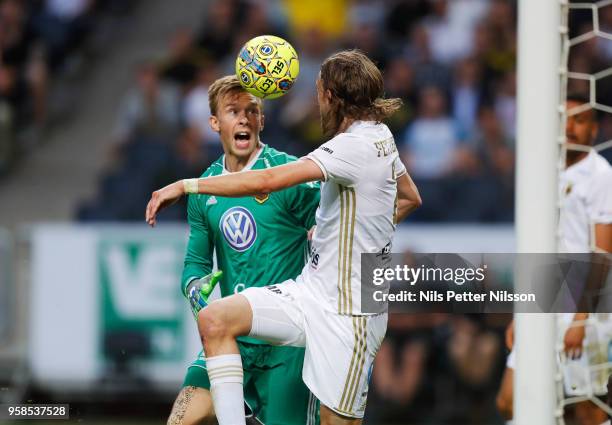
point(603, 237)
point(236, 184)
point(574, 336)
point(408, 198)
point(509, 335)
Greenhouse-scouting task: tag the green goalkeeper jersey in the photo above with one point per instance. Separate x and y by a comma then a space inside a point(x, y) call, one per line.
point(258, 240)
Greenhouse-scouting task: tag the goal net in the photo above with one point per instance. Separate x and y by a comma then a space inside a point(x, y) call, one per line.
point(564, 47)
point(586, 69)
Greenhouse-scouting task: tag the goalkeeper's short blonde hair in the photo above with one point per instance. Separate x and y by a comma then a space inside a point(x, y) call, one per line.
point(222, 87)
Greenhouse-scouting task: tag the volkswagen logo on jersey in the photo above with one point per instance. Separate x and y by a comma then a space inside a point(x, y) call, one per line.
point(239, 228)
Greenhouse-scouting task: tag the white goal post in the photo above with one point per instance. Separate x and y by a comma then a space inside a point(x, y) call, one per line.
point(539, 58)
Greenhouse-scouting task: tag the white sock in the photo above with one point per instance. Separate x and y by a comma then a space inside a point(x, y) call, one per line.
point(225, 374)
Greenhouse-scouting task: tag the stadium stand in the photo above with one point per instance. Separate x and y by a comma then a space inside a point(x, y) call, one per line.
point(44, 46)
point(455, 132)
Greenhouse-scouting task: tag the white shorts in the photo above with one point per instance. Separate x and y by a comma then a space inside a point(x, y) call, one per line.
point(587, 375)
point(340, 349)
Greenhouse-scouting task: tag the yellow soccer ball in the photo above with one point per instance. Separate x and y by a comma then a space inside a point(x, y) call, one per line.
point(267, 66)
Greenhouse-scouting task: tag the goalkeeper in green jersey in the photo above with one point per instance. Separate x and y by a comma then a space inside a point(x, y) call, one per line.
point(257, 239)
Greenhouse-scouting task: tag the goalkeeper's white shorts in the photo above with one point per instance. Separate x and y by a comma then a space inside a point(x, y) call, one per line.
point(340, 349)
point(587, 375)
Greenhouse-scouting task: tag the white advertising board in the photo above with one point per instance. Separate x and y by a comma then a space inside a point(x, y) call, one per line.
point(102, 292)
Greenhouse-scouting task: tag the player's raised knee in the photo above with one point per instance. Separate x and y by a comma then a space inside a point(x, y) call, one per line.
point(212, 323)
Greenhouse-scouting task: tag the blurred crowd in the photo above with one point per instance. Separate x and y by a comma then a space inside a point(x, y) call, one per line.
point(42, 43)
point(438, 368)
point(453, 63)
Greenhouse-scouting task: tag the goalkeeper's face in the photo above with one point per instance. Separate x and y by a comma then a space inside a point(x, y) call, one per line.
point(238, 121)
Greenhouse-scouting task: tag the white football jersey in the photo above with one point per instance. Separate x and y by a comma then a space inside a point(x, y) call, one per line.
point(356, 213)
point(585, 194)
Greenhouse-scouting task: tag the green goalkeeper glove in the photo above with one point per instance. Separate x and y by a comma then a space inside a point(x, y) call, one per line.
point(198, 291)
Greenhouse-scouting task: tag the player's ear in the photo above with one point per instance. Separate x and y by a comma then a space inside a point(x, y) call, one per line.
point(262, 120)
point(213, 121)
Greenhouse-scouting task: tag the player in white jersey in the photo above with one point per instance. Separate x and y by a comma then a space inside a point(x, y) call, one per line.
point(585, 225)
point(365, 192)
point(360, 167)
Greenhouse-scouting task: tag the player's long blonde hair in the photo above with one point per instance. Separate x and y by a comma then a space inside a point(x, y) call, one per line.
point(357, 90)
